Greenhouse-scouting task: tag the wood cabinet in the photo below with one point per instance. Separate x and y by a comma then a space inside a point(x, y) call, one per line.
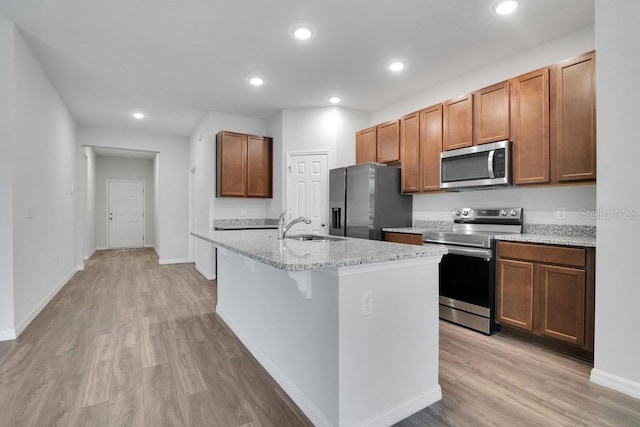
point(573, 119)
point(530, 127)
point(388, 142)
point(458, 123)
point(547, 291)
point(412, 239)
point(366, 145)
point(410, 171)
point(430, 147)
point(379, 143)
point(243, 165)
point(491, 114)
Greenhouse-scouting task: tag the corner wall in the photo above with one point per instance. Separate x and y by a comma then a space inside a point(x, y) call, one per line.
point(617, 341)
point(6, 180)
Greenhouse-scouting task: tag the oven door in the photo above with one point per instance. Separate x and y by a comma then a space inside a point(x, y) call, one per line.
point(466, 279)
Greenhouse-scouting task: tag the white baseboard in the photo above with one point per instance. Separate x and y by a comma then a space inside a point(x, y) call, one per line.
point(404, 409)
point(206, 274)
point(615, 382)
point(86, 257)
point(150, 245)
point(315, 415)
point(9, 334)
point(174, 261)
point(101, 248)
point(21, 326)
point(80, 267)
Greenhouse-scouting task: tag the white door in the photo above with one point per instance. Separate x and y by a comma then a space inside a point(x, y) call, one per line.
point(307, 192)
point(125, 214)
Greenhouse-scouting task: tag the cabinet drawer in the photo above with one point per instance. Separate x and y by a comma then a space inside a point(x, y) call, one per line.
point(575, 257)
point(412, 239)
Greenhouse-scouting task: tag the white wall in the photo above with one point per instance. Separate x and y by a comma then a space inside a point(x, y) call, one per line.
point(617, 340)
point(128, 169)
point(540, 204)
point(44, 247)
point(6, 180)
point(172, 168)
point(89, 229)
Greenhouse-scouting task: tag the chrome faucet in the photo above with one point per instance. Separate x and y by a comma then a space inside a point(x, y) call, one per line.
point(283, 229)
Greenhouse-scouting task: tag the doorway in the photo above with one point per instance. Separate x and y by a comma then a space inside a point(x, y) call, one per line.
point(307, 190)
point(125, 214)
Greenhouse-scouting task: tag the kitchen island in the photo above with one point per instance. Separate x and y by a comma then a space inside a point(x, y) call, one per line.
point(347, 327)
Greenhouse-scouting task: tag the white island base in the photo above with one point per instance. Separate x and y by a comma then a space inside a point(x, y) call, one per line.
point(342, 368)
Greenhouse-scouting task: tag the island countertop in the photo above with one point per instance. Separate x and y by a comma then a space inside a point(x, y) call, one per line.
point(294, 255)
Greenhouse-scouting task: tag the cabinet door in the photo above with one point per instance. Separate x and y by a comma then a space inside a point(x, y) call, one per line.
point(388, 142)
point(458, 123)
point(514, 294)
point(562, 303)
point(492, 114)
point(259, 160)
point(430, 147)
point(530, 127)
point(410, 153)
point(366, 145)
point(231, 164)
point(575, 113)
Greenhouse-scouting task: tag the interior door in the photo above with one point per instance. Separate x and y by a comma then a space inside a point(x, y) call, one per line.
point(125, 216)
point(307, 192)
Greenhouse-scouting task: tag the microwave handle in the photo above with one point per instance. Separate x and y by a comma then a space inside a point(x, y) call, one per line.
point(490, 164)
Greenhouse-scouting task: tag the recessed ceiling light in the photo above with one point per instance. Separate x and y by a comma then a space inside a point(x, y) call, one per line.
point(302, 33)
point(138, 116)
point(396, 66)
point(256, 81)
point(506, 7)
point(335, 100)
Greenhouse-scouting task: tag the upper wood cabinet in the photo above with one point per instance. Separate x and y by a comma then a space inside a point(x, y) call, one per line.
point(379, 143)
point(243, 165)
point(388, 142)
point(491, 114)
point(458, 123)
point(574, 119)
point(430, 147)
point(410, 153)
point(259, 166)
point(530, 127)
point(366, 145)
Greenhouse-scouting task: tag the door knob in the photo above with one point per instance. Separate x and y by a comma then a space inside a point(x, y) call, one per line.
point(323, 224)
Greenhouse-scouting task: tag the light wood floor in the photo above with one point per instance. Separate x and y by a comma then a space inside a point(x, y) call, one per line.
point(129, 342)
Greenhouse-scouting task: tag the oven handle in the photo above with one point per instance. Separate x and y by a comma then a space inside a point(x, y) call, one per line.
point(472, 252)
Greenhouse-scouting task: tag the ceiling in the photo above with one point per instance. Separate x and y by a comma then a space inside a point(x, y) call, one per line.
point(177, 59)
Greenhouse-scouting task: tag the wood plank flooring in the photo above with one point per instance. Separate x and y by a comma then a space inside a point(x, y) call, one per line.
point(128, 342)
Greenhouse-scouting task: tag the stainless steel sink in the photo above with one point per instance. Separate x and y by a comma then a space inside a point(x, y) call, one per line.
point(313, 238)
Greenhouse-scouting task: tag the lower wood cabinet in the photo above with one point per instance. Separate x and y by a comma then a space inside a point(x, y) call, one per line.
point(412, 239)
point(547, 291)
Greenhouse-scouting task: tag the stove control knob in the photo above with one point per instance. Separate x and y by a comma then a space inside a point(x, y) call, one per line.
point(514, 212)
point(503, 212)
point(457, 212)
point(465, 213)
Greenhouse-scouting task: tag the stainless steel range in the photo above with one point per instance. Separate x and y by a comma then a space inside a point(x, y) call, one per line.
point(467, 272)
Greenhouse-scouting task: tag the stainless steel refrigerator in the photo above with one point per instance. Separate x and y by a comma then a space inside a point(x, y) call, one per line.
point(365, 198)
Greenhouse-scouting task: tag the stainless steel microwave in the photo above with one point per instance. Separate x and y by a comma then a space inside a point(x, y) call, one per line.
point(477, 167)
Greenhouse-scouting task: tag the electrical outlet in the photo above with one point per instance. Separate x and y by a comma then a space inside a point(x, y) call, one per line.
point(243, 212)
point(367, 303)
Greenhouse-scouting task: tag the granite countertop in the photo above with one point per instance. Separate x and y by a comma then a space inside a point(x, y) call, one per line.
point(245, 224)
point(293, 255)
point(584, 241)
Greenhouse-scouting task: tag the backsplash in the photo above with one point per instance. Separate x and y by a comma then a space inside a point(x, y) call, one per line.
point(433, 225)
point(243, 222)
